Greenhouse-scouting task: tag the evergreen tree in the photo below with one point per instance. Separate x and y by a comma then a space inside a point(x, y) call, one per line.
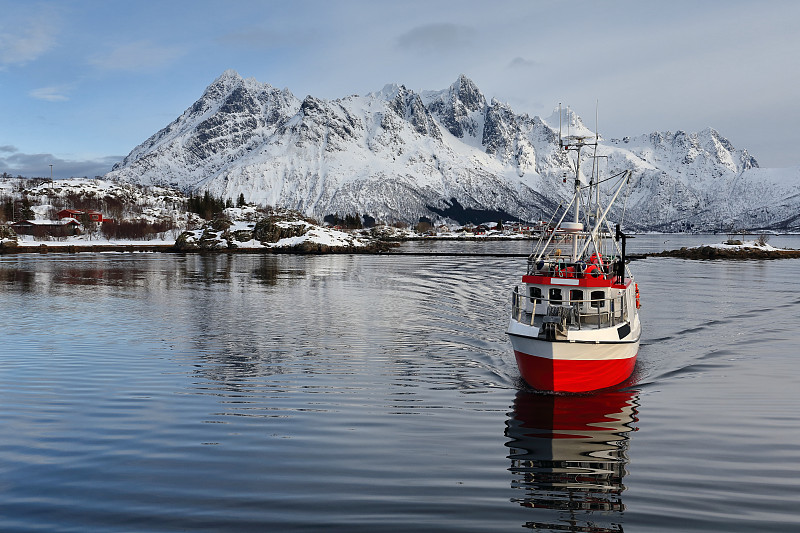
point(352, 222)
point(8, 210)
point(206, 206)
point(25, 211)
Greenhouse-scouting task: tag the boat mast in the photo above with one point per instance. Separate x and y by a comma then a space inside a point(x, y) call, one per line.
point(575, 143)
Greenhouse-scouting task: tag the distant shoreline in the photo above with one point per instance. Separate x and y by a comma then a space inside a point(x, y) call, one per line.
point(170, 248)
point(696, 253)
point(43, 249)
point(380, 247)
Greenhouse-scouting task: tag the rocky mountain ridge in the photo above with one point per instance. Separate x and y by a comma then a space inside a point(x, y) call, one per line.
point(399, 154)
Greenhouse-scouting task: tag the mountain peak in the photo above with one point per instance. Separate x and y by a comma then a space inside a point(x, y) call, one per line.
point(569, 122)
point(389, 91)
point(223, 85)
point(229, 78)
point(229, 74)
point(468, 93)
point(459, 108)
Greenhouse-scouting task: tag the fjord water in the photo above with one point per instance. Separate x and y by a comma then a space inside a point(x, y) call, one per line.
point(157, 392)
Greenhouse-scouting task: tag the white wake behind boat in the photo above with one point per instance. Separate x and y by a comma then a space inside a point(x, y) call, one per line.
point(574, 321)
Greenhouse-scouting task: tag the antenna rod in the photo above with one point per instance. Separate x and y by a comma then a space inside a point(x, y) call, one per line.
point(596, 140)
point(569, 124)
point(596, 119)
point(559, 125)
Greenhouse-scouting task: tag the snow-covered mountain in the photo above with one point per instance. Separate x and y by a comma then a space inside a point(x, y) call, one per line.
point(397, 154)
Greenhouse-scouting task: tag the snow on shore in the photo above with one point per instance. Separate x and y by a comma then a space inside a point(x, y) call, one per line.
point(318, 235)
point(309, 234)
point(743, 246)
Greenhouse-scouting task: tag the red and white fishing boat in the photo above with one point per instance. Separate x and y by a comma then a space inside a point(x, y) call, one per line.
point(574, 321)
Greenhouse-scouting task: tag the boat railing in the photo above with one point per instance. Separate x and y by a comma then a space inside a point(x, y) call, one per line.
point(605, 268)
point(554, 242)
point(592, 312)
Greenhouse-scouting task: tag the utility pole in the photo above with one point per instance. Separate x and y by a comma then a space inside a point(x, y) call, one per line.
point(51, 172)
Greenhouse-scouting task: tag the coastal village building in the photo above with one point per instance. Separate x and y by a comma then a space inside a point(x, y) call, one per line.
point(53, 228)
point(94, 216)
point(68, 224)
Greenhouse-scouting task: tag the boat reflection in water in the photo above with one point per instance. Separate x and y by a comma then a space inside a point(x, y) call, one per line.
point(568, 455)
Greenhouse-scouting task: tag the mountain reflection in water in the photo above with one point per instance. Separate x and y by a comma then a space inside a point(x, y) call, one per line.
point(568, 455)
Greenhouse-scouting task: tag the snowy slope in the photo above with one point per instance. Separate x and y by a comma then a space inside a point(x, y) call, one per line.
point(397, 154)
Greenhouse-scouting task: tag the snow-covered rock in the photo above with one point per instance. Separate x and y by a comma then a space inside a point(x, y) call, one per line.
point(275, 233)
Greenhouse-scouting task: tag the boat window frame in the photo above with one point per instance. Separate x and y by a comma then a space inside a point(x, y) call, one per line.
point(533, 296)
point(553, 299)
point(598, 299)
point(572, 299)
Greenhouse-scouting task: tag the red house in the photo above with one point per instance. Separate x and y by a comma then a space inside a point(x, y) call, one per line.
point(94, 216)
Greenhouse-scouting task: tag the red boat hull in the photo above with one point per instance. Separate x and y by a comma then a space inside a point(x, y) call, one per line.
point(573, 375)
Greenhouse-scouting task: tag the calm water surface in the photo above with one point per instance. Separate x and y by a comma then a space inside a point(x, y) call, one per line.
point(156, 392)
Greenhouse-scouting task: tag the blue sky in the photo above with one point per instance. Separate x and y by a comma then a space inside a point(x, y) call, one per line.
point(83, 82)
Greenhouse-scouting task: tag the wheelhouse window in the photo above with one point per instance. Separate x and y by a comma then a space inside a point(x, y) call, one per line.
point(576, 296)
point(555, 296)
point(598, 299)
point(536, 294)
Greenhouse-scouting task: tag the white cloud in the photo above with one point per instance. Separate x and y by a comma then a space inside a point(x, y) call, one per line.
point(24, 41)
point(137, 56)
point(50, 94)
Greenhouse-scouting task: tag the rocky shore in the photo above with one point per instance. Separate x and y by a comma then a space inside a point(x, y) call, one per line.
point(728, 253)
point(306, 247)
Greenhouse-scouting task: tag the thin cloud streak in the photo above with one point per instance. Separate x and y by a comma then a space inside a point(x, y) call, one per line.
point(522, 63)
point(49, 94)
point(258, 38)
point(22, 43)
point(436, 37)
point(138, 56)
